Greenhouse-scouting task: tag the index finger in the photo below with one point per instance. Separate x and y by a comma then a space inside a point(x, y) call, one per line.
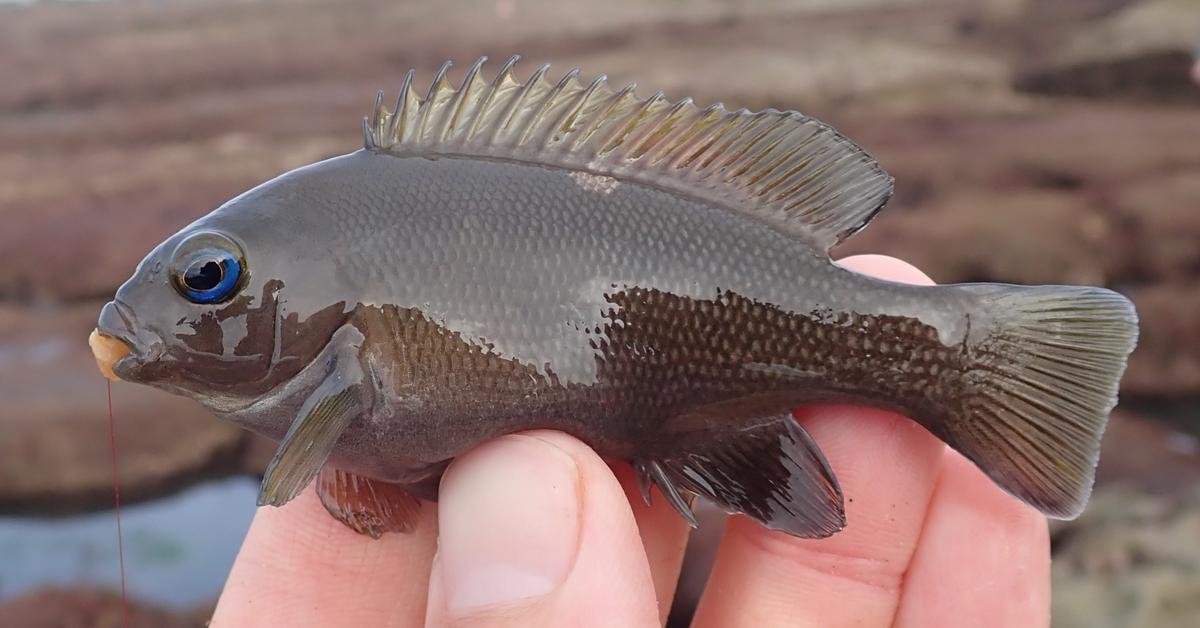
point(300, 567)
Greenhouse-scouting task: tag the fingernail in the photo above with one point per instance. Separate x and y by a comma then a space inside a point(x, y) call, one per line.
point(509, 524)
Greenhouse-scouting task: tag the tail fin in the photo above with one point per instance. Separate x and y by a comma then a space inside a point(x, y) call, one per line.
point(1044, 381)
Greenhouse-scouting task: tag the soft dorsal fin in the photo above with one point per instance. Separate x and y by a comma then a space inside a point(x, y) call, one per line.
point(791, 170)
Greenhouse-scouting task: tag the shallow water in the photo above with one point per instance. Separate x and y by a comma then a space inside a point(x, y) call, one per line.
point(178, 549)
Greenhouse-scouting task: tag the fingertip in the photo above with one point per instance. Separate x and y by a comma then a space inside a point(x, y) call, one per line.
point(885, 267)
point(510, 515)
point(970, 490)
point(664, 536)
point(535, 530)
point(298, 566)
point(976, 531)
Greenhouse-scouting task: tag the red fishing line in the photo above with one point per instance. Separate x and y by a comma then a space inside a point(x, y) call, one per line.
point(112, 439)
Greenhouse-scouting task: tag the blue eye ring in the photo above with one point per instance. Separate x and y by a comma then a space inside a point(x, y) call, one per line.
point(208, 268)
point(210, 276)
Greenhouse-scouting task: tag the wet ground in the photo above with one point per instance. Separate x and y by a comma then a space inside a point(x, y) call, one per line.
point(178, 549)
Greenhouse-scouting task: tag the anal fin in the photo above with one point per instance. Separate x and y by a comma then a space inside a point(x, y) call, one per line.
point(769, 469)
point(367, 506)
point(653, 472)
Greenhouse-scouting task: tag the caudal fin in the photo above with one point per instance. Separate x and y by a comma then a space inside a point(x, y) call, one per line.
point(1044, 381)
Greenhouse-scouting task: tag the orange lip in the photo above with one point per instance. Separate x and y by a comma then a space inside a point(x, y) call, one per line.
point(107, 350)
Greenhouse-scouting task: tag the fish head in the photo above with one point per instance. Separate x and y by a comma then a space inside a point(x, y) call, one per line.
point(229, 307)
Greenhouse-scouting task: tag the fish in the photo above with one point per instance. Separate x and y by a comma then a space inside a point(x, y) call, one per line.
point(648, 275)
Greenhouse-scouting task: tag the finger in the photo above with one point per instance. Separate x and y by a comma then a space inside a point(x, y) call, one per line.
point(664, 536)
point(996, 550)
point(885, 267)
point(1010, 571)
point(536, 531)
point(301, 567)
point(887, 466)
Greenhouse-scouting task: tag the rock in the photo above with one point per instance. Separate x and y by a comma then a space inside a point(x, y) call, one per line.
point(54, 436)
point(1147, 454)
point(82, 608)
point(1167, 359)
point(1130, 561)
point(1160, 218)
point(1027, 236)
point(1142, 52)
point(105, 210)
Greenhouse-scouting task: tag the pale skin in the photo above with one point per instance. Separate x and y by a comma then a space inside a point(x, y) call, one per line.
point(537, 530)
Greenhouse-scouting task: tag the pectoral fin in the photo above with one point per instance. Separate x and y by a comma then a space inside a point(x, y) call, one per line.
point(367, 506)
point(769, 469)
point(325, 414)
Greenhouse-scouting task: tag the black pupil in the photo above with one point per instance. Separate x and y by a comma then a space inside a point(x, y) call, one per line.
point(203, 275)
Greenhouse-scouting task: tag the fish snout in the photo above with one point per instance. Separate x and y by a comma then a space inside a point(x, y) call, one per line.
point(107, 350)
point(113, 340)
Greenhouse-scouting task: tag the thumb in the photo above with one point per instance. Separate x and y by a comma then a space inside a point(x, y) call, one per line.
point(536, 531)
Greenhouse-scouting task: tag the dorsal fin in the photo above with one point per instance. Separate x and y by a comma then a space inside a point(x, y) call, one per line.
point(791, 170)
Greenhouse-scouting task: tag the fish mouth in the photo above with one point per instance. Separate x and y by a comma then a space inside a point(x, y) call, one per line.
point(115, 344)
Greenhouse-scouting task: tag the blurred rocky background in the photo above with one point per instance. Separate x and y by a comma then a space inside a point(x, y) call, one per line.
point(1033, 141)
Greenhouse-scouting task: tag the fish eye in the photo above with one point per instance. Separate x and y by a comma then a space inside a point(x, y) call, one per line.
point(208, 268)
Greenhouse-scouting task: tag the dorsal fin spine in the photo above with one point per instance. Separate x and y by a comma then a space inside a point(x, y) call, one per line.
point(517, 101)
point(425, 107)
point(623, 130)
point(439, 81)
point(376, 113)
point(398, 112)
point(368, 134)
point(677, 118)
point(399, 127)
point(522, 117)
point(460, 99)
point(594, 126)
point(567, 123)
point(644, 142)
point(547, 101)
point(643, 132)
point(493, 87)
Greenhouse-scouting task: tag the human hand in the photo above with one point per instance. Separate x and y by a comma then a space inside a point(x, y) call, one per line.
point(536, 530)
